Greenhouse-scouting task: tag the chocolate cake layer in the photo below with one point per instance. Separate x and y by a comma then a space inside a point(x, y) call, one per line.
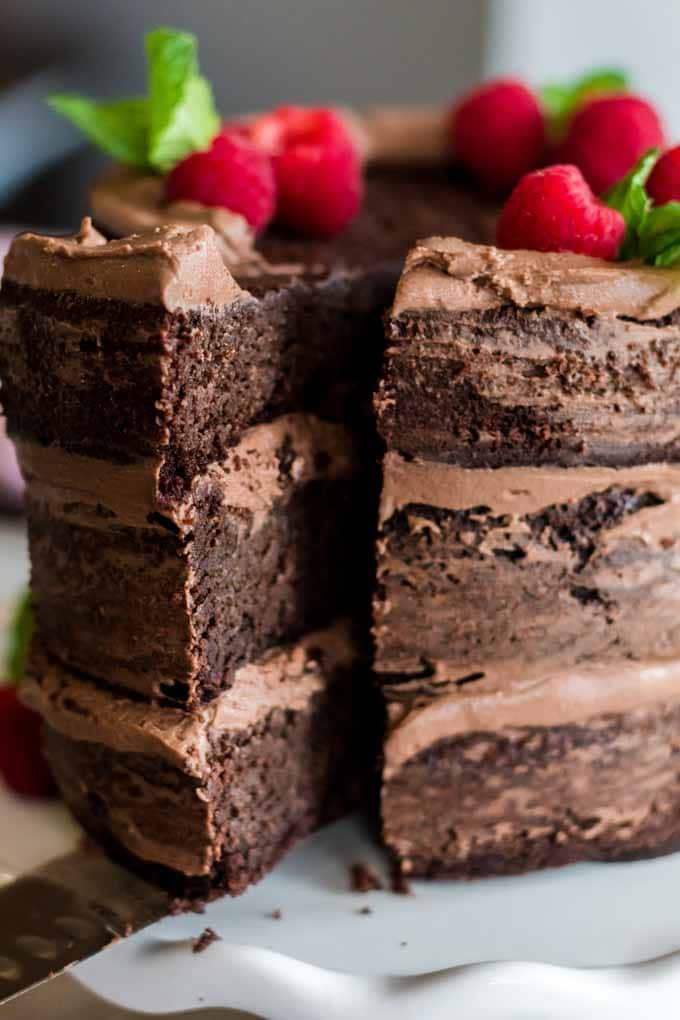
point(500, 358)
point(492, 569)
point(581, 764)
point(208, 803)
point(268, 544)
point(154, 379)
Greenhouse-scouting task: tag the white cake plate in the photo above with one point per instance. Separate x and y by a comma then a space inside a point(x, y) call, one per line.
point(427, 956)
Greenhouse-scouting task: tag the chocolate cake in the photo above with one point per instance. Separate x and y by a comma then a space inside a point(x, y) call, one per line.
point(191, 407)
point(527, 601)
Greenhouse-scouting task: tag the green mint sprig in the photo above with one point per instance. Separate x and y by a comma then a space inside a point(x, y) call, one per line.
point(561, 101)
point(21, 630)
point(652, 232)
point(660, 235)
point(629, 196)
point(155, 132)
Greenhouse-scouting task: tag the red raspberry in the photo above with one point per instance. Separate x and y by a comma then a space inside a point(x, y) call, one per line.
point(318, 171)
point(288, 126)
point(663, 184)
point(607, 136)
point(232, 173)
point(498, 133)
point(22, 764)
point(555, 210)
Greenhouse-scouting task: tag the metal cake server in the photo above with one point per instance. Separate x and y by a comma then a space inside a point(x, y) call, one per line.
point(68, 910)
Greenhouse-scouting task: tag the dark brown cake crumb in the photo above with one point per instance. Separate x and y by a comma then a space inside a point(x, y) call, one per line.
point(399, 882)
point(363, 879)
point(185, 905)
point(275, 915)
point(365, 910)
point(205, 939)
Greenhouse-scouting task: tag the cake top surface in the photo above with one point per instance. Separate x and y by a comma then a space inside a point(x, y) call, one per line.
point(450, 275)
point(126, 200)
point(178, 267)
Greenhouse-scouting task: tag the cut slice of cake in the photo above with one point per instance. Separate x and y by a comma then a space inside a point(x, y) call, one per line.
point(151, 568)
point(526, 611)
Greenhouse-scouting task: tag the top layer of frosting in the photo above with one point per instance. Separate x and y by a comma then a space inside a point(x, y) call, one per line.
point(447, 274)
point(284, 677)
point(174, 266)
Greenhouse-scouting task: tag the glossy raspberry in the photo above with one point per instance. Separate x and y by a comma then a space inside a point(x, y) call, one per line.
point(233, 174)
point(318, 171)
point(555, 210)
point(22, 764)
point(663, 184)
point(608, 136)
point(498, 133)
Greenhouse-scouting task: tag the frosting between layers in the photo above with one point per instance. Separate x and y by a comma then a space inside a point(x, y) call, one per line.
point(178, 267)
point(449, 275)
point(249, 476)
point(283, 678)
point(518, 491)
point(545, 699)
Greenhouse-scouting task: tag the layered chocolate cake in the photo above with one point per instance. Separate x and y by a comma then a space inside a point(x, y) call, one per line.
point(191, 408)
point(526, 615)
point(189, 385)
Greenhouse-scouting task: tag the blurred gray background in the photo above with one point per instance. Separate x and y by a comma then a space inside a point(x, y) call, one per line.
point(260, 53)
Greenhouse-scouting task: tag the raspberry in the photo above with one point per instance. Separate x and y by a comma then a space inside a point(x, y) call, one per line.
point(607, 136)
point(498, 133)
point(663, 184)
point(22, 764)
point(289, 126)
point(232, 173)
point(317, 169)
point(555, 210)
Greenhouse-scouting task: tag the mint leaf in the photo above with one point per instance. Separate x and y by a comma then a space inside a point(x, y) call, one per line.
point(183, 118)
point(660, 235)
point(120, 128)
point(177, 118)
point(630, 197)
point(561, 101)
point(21, 630)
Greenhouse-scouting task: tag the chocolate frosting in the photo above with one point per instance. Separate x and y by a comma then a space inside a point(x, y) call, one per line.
point(174, 266)
point(249, 476)
point(283, 678)
point(517, 491)
point(543, 697)
point(450, 275)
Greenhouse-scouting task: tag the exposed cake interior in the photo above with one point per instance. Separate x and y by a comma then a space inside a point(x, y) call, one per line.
point(505, 357)
point(208, 802)
point(562, 766)
point(267, 545)
point(480, 567)
point(527, 599)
